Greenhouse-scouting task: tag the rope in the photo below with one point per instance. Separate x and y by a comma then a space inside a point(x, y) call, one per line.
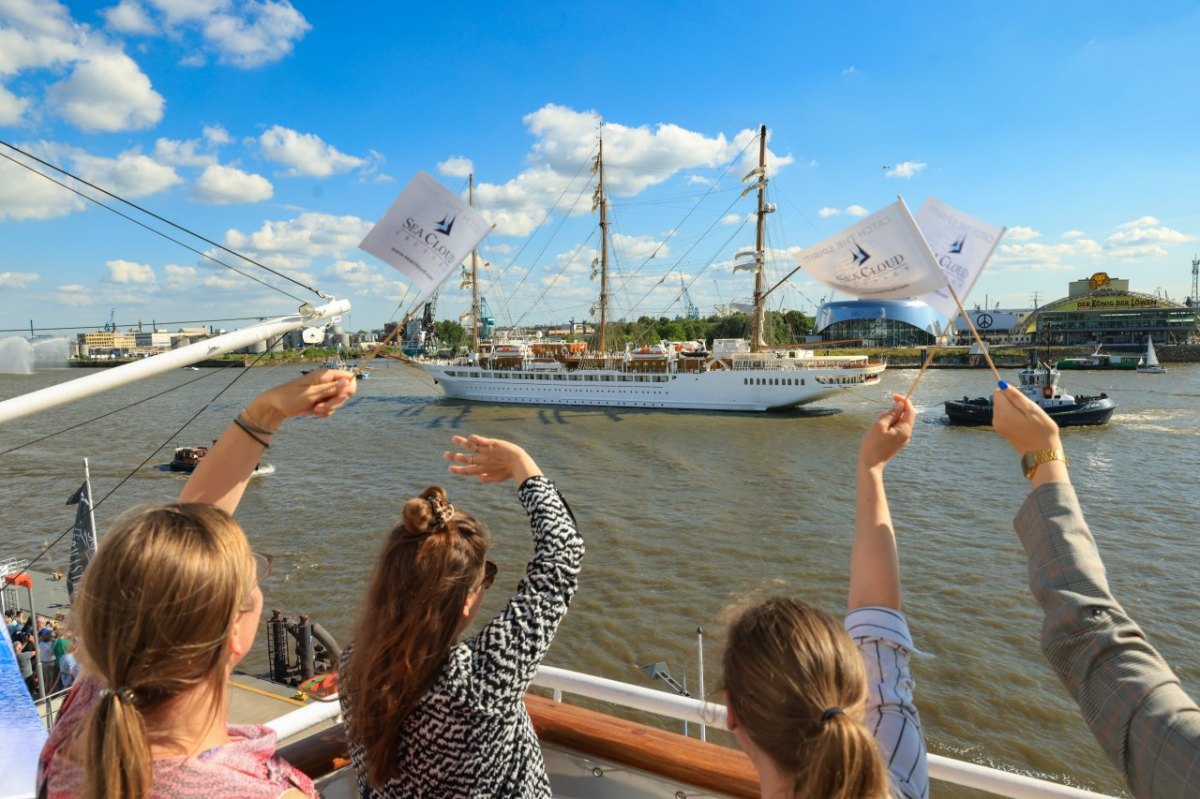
point(150, 213)
point(157, 449)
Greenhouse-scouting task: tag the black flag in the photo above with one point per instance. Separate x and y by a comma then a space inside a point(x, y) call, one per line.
point(83, 537)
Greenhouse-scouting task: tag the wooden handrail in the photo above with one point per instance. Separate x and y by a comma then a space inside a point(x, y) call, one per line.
point(670, 755)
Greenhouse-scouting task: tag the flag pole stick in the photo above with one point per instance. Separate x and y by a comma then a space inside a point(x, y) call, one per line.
point(928, 360)
point(87, 478)
point(986, 355)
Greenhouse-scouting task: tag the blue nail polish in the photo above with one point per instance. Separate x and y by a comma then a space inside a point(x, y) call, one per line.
point(1003, 385)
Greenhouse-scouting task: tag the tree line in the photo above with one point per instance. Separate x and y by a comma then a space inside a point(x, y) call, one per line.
point(780, 327)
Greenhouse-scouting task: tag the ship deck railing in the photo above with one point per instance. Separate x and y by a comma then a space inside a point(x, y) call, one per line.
point(321, 754)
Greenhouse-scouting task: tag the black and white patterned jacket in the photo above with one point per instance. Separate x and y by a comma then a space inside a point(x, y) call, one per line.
point(470, 736)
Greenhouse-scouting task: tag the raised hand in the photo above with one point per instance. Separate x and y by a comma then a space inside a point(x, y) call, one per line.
point(1022, 423)
point(888, 434)
point(318, 393)
point(492, 460)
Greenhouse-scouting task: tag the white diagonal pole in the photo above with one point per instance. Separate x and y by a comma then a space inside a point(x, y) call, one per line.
point(83, 387)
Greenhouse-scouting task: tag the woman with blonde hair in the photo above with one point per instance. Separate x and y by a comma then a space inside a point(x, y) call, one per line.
point(167, 607)
point(429, 717)
point(822, 710)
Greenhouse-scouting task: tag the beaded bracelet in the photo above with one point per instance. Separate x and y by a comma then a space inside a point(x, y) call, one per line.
point(246, 429)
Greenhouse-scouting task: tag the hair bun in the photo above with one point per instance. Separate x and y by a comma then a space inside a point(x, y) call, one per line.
point(429, 512)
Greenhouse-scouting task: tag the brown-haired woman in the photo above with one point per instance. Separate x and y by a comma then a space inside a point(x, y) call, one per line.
point(426, 716)
point(824, 711)
point(168, 606)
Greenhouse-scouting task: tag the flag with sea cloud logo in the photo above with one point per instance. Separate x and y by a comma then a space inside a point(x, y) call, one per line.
point(962, 245)
point(426, 233)
point(882, 256)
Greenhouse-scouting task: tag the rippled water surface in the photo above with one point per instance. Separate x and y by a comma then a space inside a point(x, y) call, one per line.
point(682, 512)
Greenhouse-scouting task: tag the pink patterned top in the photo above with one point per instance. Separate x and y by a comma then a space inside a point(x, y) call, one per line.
point(246, 767)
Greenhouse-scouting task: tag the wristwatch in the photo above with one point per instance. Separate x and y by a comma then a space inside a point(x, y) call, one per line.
point(1031, 460)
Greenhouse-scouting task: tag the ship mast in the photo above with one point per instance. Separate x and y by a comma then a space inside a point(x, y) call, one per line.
point(599, 201)
point(474, 275)
point(757, 343)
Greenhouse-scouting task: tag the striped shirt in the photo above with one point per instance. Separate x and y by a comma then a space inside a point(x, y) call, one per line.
point(1130, 698)
point(882, 637)
point(470, 735)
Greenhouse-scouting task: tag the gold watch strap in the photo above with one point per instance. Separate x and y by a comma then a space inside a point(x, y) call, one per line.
point(1031, 460)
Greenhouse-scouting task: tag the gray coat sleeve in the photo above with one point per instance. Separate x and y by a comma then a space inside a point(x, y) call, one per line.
point(1129, 696)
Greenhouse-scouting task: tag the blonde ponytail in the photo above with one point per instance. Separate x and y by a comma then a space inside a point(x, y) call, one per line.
point(153, 615)
point(798, 688)
point(116, 752)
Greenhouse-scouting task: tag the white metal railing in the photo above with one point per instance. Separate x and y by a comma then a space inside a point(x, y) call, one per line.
point(682, 708)
point(958, 772)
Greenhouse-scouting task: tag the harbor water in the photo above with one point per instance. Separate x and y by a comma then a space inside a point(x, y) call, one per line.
point(683, 513)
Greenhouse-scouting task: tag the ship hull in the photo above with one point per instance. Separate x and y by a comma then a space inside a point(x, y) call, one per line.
point(746, 390)
point(1096, 410)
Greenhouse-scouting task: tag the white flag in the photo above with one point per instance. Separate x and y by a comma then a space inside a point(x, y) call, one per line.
point(426, 233)
point(962, 246)
point(881, 257)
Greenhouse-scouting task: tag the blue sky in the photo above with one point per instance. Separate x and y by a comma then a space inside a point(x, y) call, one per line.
point(284, 130)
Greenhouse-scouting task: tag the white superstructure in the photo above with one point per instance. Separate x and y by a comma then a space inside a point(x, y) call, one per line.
point(731, 378)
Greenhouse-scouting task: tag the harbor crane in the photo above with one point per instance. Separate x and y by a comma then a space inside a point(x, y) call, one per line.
point(690, 310)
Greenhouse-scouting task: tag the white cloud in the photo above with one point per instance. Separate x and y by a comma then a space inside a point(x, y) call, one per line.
point(37, 34)
point(731, 219)
point(17, 280)
point(178, 277)
point(216, 135)
point(12, 108)
point(905, 169)
point(1070, 234)
point(1131, 234)
point(223, 185)
point(699, 180)
point(850, 70)
point(182, 153)
point(130, 174)
point(456, 166)
point(297, 242)
point(178, 12)
point(1025, 234)
point(129, 18)
point(265, 31)
point(356, 273)
point(122, 271)
point(635, 158)
point(25, 195)
point(1036, 256)
point(1145, 221)
point(305, 153)
point(638, 248)
point(850, 210)
point(107, 92)
point(74, 294)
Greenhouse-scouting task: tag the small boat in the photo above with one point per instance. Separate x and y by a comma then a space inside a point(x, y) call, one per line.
point(186, 459)
point(1149, 365)
point(342, 365)
point(1040, 384)
point(1100, 360)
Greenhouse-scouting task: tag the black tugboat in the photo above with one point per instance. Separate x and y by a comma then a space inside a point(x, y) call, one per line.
point(1040, 384)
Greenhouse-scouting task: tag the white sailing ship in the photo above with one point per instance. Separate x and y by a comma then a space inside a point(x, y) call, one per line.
point(735, 375)
point(1149, 364)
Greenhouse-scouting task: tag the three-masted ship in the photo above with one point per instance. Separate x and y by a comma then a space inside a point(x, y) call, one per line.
point(731, 375)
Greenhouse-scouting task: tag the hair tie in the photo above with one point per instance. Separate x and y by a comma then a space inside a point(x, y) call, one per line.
point(121, 694)
point(442, 513)
point(830, 712)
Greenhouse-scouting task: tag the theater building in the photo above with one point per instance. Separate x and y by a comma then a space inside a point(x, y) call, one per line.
point(1102, 310)
point(879, 323)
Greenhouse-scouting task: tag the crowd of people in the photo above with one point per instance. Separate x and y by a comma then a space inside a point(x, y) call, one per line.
point(44, 650)
point(822, 708)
